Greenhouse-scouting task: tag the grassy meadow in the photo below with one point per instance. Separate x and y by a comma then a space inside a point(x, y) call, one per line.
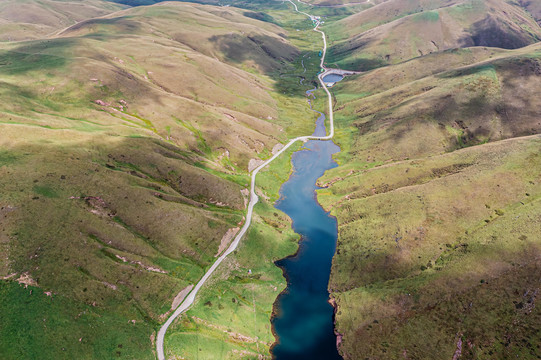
point(231, 316)
point(33, 19)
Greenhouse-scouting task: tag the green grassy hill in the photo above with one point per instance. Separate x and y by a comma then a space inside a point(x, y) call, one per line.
point(437, 199)
point(393, 108)
point(125, 148)
point(440, 253)
point(127, 134)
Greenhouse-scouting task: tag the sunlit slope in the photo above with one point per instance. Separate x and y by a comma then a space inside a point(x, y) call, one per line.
point(395, 31)
point(341, 3)
point(128, 72)
point(438, 252)
point(33, 19)
point(124, 152)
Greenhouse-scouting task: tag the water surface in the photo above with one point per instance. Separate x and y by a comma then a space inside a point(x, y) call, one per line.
point(304, 325)
point(332, 78)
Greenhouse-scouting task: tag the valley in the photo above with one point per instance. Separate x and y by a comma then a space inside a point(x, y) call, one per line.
point(131, 140)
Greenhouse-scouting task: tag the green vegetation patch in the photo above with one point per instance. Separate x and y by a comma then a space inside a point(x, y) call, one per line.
point(39, 326)
point(7, 158)
point(431, 16)
point(46, 191)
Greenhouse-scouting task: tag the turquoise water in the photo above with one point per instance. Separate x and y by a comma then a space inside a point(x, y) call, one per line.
point(332, 78)
point(304, 325)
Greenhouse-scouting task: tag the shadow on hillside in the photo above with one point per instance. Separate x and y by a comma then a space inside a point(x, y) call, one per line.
point(35, 55)
point(343, 53)
point(273, 57)
point(261, 16)
point(494, 33)
point(472, 120)
point(268, 53)
point(117, 25)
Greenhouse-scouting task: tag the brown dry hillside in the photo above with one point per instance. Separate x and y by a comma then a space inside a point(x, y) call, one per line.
point(395, 31)
point(534, 7)
point(33, 19)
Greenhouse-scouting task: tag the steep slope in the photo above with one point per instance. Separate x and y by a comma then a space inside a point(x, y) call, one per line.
point(395, 31)
point(126, 146)
point(534, 7)
point(440, 256)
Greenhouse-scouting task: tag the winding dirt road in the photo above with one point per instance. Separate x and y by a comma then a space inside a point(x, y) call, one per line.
point(188, 301)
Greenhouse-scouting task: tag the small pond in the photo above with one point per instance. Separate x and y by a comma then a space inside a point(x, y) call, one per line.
point(332, 78)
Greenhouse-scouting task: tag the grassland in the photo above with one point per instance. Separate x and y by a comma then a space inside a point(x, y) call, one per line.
point(437, 199)
point(485, 101)
point(438, 251)
point(125, 147)
point(33, 19)
point(231, 316)
point(396, 31)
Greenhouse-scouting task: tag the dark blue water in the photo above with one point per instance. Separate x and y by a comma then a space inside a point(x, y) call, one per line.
point(332, 78)
point(304, 323)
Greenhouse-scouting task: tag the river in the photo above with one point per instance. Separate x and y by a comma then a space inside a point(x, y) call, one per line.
point(304, 325)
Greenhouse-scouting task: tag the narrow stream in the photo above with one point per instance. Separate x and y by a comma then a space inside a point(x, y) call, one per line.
point(304, 324)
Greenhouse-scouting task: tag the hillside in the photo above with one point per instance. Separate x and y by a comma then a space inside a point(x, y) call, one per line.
point(126, 146)
point(396, 31)
point(128, 135)
point(440, 254)
point(534, 7)
point(437, 199)
point(33, 19)
point(488, 100)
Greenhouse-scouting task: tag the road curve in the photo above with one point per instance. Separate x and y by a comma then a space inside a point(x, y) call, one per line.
point(188, 301)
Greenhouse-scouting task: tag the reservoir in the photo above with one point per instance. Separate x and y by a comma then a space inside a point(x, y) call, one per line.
point(304, 324)
point(332, 78)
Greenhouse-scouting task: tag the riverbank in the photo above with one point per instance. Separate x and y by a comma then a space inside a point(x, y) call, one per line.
point(189, 300)
point(303, 321)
